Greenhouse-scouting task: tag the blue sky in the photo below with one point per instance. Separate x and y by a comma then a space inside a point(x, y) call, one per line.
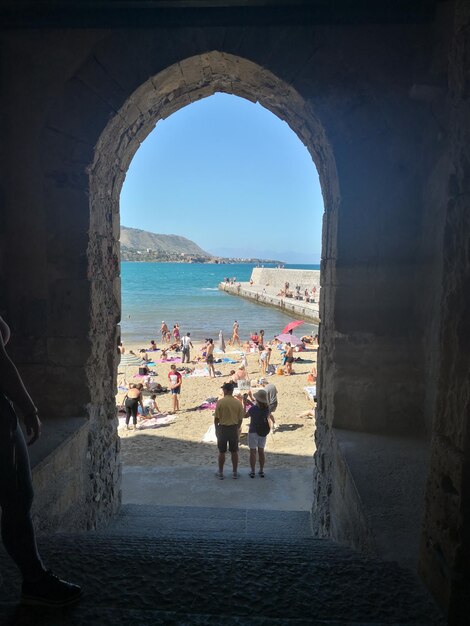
point(231, 176)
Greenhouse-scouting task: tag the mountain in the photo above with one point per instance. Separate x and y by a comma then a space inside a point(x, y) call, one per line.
point(139, 244)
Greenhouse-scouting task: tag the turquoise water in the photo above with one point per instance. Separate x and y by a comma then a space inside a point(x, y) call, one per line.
point(187, 293)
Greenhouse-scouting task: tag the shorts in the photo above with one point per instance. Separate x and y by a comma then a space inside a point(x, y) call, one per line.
point(256, 441)
point(210, 359)
point(290, 359)
point(227, 435)
point(175, 391)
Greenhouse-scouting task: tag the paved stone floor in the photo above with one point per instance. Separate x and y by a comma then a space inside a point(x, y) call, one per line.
point(281, 489)
point(207, 566)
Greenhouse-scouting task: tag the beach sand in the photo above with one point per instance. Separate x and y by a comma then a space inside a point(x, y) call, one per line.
point(180, 443)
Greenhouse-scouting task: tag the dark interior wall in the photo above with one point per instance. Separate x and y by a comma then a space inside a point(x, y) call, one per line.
point(38, 298)
point(431, 90)
point(371, 335)
point(445, 550)
point(355, 78)
point(60, 90)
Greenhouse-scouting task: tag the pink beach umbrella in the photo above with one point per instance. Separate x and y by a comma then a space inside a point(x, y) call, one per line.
point(287, 337)
point(292, 325)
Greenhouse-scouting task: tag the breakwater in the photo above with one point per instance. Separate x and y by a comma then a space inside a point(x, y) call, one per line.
point(267, 283)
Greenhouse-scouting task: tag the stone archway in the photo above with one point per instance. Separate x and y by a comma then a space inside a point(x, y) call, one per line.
point(173, 88)
point(92, 304)
point(105, 106)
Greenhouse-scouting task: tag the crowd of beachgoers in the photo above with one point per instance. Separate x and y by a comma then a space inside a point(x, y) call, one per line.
point(161, 393)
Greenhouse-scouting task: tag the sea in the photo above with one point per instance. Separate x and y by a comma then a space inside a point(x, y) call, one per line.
point(188, 294)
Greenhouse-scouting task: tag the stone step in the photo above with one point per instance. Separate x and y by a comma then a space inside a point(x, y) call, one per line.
point(189, 579)
point(85, 616)
point(157, 521)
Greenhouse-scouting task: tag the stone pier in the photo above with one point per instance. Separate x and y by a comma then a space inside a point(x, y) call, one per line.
point(267, 283)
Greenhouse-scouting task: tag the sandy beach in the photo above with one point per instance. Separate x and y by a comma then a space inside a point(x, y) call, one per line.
point(179, 442)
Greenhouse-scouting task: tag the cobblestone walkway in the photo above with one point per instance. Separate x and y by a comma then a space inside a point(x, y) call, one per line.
point(204, 566)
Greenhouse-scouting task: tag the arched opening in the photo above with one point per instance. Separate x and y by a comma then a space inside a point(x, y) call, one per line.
point(359, 323)
point(398, 153)
point(156, 99)
point(220, 171)
point(172, 89)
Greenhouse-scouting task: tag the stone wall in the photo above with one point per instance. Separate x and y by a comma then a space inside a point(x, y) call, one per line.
point(76, 105)
point(273, 277)
point(296, 308)
point(445, 550)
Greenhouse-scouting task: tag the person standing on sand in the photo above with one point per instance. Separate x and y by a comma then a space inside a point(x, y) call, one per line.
point(176, 332)
point(228, 418)
point(163, 330)
point(175, 379)
point(271, 393)
point(260, 425)
point(263, 361)
point(132, 400)
point(289, 359)
point(210, 358)
point(185, 348)
point(39, 586)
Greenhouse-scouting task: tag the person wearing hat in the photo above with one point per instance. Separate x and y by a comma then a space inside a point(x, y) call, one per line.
point(271, 393)
point(260, 425)
point(228, 417)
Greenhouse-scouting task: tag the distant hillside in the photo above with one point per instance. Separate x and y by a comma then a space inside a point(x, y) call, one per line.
point(135, 241)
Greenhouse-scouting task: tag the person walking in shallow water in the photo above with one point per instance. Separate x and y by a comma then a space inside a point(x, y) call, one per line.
point(40, 586)
point(235, 336)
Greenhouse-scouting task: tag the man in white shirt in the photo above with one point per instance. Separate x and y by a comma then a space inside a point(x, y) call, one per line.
point(185, 347)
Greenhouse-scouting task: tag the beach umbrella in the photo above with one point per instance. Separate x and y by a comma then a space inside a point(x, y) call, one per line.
point(129, 360)
point(291, 326)
point(292, 339)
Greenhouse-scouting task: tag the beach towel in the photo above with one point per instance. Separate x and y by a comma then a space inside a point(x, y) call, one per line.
point(227, 360)
point(156, 421)
point(311, 392)
point(199, 372)
point(207, 405)
point(172, 359)
point(153, 422)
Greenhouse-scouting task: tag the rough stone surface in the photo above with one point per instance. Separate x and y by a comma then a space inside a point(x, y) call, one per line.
point(194, 565)
point(445, 563)
point(383, 110)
